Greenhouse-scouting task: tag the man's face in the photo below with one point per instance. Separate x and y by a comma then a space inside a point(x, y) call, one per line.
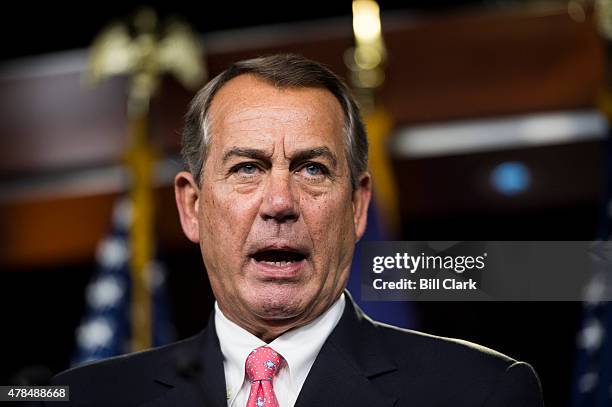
point(276, 216)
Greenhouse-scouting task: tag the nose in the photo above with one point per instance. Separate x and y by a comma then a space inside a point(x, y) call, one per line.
point(280, 200)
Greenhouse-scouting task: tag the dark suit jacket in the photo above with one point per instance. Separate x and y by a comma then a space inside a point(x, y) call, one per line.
point(362, 363)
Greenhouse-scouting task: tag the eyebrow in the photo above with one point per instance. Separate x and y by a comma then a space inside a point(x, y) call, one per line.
point(298, 156)
point(245, 152)
point(308, 154)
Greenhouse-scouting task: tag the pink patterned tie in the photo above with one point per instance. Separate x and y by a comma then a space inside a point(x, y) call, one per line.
point(261, 366)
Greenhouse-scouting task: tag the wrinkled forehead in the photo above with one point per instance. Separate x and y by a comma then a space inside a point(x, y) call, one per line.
point(250, 110)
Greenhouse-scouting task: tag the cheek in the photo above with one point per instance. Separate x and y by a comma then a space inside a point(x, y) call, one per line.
point(226, 218)
point(330, 221)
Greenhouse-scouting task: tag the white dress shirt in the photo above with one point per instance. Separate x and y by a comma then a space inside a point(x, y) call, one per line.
point(299, 347)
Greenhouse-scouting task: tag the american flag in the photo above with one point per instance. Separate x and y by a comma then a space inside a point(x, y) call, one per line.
point(105, 328)
point(593, 372)
point(398, 313)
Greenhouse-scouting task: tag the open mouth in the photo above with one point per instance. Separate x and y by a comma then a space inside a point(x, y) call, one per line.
point(278, 257)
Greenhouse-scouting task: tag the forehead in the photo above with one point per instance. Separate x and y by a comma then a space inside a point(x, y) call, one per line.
point(249, 110)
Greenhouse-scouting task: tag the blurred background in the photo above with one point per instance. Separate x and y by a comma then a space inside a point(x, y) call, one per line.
point(487, 121)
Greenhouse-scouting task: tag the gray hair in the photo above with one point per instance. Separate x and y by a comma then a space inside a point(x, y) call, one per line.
point(284, 71)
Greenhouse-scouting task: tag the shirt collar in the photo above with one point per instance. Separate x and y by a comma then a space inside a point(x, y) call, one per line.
point(299, 346)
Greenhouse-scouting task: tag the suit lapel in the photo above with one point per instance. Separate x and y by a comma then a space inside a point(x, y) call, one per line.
point(213, 376)
point(194, 375)
point(343, 372)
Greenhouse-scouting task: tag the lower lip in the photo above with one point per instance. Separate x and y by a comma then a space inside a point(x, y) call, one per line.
point(286, 271)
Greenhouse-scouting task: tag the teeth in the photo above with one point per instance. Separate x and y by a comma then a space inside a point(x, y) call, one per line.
point(277, 263)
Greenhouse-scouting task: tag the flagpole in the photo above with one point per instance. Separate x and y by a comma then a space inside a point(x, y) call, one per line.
point(366, 62)
point(144, 58)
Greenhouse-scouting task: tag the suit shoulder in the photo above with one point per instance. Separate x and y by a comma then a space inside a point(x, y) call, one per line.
point(466, 371)
point(430, 349)
point(123, 371)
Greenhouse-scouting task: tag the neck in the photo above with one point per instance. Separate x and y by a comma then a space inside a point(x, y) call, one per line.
point(268, 329)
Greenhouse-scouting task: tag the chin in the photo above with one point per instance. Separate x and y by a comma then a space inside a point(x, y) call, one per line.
point(278, 304)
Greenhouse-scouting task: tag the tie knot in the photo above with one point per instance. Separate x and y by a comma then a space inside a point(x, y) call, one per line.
point(263, 364)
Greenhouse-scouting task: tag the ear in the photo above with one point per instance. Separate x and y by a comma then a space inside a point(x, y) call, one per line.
point(361, 202)
point(187, 195)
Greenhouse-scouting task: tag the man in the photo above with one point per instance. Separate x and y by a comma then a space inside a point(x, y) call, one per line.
point(276, 196)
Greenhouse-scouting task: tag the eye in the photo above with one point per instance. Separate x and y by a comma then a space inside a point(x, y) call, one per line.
point(313, 170)
point(245, 169)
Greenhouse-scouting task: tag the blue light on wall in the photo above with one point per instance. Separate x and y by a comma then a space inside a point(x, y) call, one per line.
point(511, 178)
